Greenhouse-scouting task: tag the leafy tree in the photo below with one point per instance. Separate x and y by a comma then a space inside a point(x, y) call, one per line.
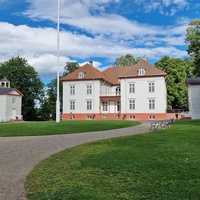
point(127, 60)
point(49, 103)
point(70, 67)
point(24, 77)
point(176, 81)
point(190, 66)
point(193, 41)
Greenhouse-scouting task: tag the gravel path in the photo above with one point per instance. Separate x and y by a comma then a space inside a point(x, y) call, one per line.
point(18, 155)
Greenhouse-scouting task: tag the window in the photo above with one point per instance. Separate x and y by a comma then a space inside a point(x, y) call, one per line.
point(80, 75)
point(132, 116)
point(89, 89)
point(151, 87)
point(89, 117)
point(151, 117)
point(72, 89)
point(105, 106)
point(132, 104)
point(13, 100)
point(141, 72)
point(118, 106)
point(89, 105)
point(131, 87)
point(72, 105)
point(151, 104)
point(118, 90)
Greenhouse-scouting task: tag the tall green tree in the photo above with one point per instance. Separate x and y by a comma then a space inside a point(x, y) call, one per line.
point(190, 66)
point(193, 41)
point(176, 81)
point(70, 67)
point(49, 103)
point(24, 77)
point(127, 60)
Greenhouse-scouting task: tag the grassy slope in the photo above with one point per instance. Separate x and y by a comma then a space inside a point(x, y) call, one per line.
point(64, 127)
point(160, 165)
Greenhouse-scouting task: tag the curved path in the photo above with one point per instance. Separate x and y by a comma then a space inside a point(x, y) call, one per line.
point(18, 155)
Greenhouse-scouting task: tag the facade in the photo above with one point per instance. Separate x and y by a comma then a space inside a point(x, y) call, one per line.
point(10, 102)
point(193, 85)
point(125, 92)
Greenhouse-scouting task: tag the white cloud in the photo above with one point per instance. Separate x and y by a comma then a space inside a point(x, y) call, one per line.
point(38, 45)
point(98, 34)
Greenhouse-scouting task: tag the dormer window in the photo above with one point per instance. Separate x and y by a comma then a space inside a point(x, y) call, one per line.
point(80, 75)
point(141, 72)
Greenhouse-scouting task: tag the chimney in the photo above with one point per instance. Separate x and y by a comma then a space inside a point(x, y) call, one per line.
point(91, 62)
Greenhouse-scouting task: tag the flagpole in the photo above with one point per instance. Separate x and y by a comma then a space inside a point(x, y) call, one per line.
point(58, 66)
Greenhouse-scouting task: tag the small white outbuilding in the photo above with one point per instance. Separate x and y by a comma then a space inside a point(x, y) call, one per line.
point(193, 85)
point(10, 102)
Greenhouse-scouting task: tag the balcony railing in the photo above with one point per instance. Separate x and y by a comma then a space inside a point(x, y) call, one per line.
point(113, 94)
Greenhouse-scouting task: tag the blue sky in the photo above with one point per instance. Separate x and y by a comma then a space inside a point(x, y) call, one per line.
point(98, 30)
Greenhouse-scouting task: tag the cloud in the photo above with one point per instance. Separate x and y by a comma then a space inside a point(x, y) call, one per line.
point(164, 7)
point(89, 32)
point(38, 45)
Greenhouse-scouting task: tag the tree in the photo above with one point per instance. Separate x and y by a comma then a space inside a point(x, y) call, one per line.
point(176, 81)
point(70, 67)
point(193, 41)
point(49, 102)
point(127, 60)
point(190, 66)
point(24, 77)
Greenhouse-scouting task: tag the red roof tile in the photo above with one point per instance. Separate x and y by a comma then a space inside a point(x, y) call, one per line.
point(111, 75)
point(90, 73)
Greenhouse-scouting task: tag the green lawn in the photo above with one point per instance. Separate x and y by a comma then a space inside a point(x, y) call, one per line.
point(64, 127)
point(161, 165)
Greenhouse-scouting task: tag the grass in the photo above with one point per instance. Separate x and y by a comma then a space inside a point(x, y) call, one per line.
point(162, 165)
point(64, 127)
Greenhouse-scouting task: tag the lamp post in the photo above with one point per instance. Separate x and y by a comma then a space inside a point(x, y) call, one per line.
point(58, 66)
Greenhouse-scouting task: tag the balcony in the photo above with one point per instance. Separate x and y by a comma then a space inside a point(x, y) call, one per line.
point(110, 94)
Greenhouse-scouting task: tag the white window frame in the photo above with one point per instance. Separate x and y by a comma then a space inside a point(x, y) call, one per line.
point(71, 104)
point(105, 106)
point(152, 104)
point(131, 104)
point(131, 87)
point(141, 72)
point(151, 87)
point(81, 75)
point(89, 105)
point(89, 89)
point(72, 89)
point(14, 100)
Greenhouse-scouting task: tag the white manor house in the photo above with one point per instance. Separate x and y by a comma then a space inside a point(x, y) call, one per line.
point(125, 92)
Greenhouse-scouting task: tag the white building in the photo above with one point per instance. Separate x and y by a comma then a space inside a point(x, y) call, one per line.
point(128, 92)
point(193, 85)
point(10, 102)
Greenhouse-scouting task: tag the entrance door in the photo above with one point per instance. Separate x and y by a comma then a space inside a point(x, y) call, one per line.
point(13, 113)
point(112, 106)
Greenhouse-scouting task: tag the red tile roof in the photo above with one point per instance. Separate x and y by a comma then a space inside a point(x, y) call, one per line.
point(90, 73)
point(111, 75)
point(150, 70)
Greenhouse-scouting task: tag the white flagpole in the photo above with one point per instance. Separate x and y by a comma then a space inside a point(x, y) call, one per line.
point(58, 66)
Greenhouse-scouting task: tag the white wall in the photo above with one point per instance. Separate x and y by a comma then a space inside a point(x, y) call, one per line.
point(194, 101)
point(2, 108)
point(7, 105)
point(142, 95)
point(81, 96)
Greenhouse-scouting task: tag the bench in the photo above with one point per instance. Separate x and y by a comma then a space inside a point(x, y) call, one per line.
point(156, 124)
point(168, 123)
